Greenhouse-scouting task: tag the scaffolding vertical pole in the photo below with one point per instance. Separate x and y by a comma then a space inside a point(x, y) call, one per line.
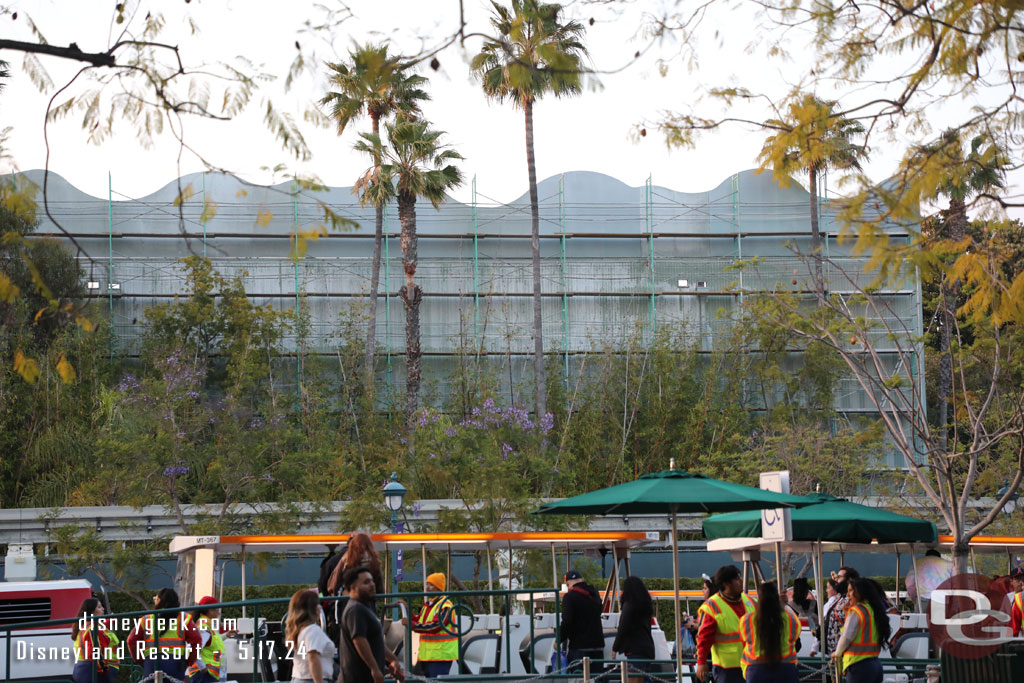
point(565, 278)
point(736, 227)
point(649, 220)
point(387, 299)
point(298, 301)
point(822, 198)
point(202, 216)
point(110, 257)
point(476, 270)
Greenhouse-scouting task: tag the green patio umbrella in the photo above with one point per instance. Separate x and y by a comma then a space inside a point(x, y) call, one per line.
point(671, 491)
point(828, 518)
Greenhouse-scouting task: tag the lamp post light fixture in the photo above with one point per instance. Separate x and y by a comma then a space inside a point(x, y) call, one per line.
point(394, 498)
point(1010, 506)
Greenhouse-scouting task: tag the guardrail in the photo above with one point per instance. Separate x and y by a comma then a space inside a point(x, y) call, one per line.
point(811, 668)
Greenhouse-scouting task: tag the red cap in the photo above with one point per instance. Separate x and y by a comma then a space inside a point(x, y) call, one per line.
point(209, 600)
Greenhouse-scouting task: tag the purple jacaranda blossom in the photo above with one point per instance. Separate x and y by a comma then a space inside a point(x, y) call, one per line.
point(433, 455)
point(547, 423)
point(416, 507)
point(449, 432)
point(174, 471)
point(256, 422)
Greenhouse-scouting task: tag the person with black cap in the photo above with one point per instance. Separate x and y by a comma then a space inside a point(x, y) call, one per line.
point(581, 624)
point(1017, 608)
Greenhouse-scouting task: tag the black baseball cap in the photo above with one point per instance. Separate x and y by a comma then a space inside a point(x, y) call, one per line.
point(572, 575)
point(1017, 573)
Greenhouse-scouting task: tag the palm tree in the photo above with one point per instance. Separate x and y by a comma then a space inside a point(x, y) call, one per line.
point(373, 83)
point(813, 139)
point(415, 164)
point(979, 170)
point(532, 54)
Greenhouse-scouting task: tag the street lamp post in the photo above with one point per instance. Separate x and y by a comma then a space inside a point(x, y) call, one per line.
point(394, 497)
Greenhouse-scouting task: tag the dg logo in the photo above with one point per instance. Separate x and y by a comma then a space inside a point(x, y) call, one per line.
point(969, 616)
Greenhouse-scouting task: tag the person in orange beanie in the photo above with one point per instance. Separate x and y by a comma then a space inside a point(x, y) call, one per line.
point(439, 641)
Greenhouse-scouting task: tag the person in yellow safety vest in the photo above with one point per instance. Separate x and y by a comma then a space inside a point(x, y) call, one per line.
point(1017, 601)
point(865, 630)
point(771, 637)
point(207, 667)
point(439, 644)
point(164, 641)
point(719, 636)
point(94, 645)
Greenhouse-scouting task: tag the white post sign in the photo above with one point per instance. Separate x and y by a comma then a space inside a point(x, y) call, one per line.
point(776, 524)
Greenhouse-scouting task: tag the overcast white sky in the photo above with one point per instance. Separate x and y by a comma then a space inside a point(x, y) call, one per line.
point(591, 132)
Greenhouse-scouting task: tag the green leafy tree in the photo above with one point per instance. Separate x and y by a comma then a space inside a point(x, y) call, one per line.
point(532, 53)
point(814, 138)
point(418, 165)
point(378, 85)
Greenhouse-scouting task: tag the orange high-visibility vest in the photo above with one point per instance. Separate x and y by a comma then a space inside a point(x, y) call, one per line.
point(85, 649)
point(866, 644)
point(752, 650)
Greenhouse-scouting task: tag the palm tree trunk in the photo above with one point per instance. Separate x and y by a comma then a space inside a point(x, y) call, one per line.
point(371, 323)
point(819, 281)
point(955, 228)
point(411, 297)
point(539, 377)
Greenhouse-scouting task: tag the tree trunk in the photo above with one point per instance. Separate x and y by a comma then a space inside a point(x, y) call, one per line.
point(411, 297)
point(539, 375)
point(371, 323)
point(955, 228)
point(819, 280)
point(961, 553)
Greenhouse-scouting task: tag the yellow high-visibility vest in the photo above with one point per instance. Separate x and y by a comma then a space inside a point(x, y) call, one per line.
point(211, 653)
point(727, 648)
point(439, 646)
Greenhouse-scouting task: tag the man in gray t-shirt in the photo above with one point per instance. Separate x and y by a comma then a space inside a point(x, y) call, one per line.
point(364, 658)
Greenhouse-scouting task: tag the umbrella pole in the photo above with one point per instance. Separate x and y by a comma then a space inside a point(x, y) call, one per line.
point(675, 588)
point(897, 577)
point(778, 567)
point(917, 580)
point(820, 595)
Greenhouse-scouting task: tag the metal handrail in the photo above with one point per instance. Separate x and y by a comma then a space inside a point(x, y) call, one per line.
point(256, 603)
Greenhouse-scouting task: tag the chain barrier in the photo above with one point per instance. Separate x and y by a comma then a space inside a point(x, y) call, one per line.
point(159, 676)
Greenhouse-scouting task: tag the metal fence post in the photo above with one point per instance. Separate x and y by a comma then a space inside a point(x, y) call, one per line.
point(586, 669)
point(623, 675)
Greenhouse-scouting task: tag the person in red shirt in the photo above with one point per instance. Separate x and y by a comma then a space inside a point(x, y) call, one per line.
point(165, 641)
point(1017, 604)
point(719, 653)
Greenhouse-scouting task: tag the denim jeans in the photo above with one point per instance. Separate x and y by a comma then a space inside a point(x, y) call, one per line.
point(865, 671)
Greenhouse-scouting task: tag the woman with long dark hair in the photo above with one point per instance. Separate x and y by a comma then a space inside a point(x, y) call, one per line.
point(166, 641)
point(865, 632)
point(633, 637)
point(804, 604)
point(769, 636)
point(95, 647)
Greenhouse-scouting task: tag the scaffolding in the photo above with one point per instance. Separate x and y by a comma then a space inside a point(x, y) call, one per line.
point(615, 261)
